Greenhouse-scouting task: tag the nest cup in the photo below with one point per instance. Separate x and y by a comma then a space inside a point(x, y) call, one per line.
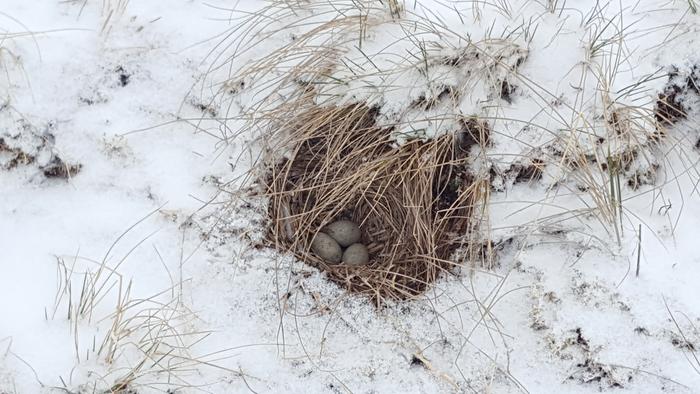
point(414, 203)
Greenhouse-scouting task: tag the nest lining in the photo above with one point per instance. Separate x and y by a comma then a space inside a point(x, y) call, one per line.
point(414, 203)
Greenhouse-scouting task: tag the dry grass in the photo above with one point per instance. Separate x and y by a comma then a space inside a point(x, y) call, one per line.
point(125, 342)
point(11, 67)
point(414, 203)
point(111, 11)
point(328, 157)
point(597, 146)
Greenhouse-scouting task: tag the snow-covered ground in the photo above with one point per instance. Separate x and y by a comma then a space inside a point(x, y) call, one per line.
point(123, 257)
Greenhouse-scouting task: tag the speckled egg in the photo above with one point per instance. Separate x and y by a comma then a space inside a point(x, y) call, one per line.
point(327, 248)
point(356, 254)
point(344, 232)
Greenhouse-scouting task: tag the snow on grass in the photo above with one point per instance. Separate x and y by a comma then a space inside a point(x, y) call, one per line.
point(140, 98)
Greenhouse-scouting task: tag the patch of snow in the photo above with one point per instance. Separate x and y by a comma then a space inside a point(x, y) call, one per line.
point(562, 309)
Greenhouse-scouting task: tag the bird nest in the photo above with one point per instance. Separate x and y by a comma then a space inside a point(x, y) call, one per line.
point(413, 202)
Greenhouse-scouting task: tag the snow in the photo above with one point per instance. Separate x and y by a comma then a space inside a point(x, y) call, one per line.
point(561, 310)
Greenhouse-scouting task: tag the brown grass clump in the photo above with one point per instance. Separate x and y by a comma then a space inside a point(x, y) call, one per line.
point(414, 203)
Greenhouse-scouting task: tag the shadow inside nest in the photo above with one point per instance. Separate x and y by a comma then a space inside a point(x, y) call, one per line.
point(414, 203)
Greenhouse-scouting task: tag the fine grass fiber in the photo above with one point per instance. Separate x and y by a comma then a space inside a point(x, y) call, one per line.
point(414, 203)
point(380, 134)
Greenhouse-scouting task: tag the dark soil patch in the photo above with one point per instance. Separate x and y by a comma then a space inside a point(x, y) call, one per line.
point(12, 156)
point(57, 168)
point(673, 103)
point(123, 75)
